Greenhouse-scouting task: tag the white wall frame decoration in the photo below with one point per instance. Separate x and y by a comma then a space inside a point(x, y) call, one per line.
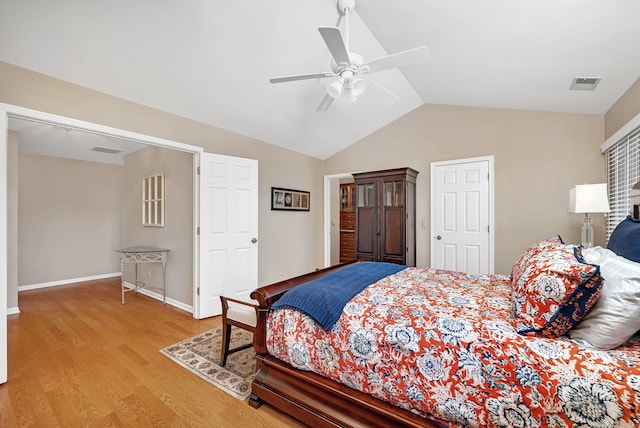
point(153, 200)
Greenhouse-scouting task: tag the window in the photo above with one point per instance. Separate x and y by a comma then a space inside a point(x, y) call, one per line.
point(153, 200)
point(623, 170)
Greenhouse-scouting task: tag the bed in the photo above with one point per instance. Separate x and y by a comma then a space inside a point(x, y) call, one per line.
point(553, 344)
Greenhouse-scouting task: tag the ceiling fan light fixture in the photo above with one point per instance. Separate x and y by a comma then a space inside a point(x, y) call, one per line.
point(357, 86)
point(335, 88)
point(346, 66)
point(348, 96)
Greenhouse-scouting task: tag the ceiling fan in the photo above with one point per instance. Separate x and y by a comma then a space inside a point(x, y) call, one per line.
point(348, 67)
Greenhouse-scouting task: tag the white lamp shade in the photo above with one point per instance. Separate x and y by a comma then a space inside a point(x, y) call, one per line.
point(357, 86)
point(348, 96)
point(589, 198)
point(335, 88)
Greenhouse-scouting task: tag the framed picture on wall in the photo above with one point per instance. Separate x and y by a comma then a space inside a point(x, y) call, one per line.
point(289, 199)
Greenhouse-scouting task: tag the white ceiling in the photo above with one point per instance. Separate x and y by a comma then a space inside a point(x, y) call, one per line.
point(70, 143)
point(211, 60)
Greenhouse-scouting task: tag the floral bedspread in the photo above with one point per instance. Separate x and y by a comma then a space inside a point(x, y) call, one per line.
point(441, 344)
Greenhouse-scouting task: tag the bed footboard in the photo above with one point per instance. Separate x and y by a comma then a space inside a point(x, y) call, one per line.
point(267, 295)
point(306, 396)
point(318, 401)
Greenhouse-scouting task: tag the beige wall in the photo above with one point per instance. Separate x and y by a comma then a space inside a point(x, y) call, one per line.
point(538, 157)
point(69, 218)
point(290, 243)
point(177, 233)
point(625, 109)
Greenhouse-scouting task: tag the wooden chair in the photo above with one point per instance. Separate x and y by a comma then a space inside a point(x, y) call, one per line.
point(240, 314)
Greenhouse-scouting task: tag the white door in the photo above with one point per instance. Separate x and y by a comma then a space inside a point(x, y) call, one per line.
point(228, 231)
point(461, 215)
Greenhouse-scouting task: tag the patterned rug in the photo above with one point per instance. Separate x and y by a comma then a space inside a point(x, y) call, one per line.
point(201, 356)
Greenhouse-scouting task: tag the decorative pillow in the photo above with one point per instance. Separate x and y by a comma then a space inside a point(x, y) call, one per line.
point(616, 315)
point(539, 246)
point(625, 238)
point(554, 290)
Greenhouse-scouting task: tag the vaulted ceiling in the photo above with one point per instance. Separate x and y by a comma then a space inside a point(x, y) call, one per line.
point(211, 60)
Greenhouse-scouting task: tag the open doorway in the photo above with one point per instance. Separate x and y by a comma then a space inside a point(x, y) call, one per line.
point(337, 230)
point(18, 113)
point(73, 141)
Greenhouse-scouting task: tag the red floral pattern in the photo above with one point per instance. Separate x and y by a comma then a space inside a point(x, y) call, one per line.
point(523, 261)
point(553, 290)
point(443, 345)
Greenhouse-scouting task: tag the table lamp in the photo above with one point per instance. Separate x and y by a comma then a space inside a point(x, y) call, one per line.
point(588, 198)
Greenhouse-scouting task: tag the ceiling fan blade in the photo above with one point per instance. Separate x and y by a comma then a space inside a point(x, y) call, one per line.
point(368, 79)
point(301, 77)
point(334, 41)
point(325, 103)
point(400, 59)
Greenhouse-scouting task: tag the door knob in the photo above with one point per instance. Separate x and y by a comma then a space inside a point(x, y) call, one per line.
point(254, 240)
point(438, 237)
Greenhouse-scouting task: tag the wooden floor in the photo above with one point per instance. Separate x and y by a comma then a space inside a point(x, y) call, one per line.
point(77, 357)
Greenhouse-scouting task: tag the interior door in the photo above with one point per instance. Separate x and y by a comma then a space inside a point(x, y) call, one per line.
point(228, 221)
point(461, 214)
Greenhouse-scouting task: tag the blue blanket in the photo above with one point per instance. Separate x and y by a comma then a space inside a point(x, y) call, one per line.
point(323, 299)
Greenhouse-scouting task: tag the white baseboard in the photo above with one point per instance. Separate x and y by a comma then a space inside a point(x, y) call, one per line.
point(158, 296)
point(145, 291)
point(66, 281)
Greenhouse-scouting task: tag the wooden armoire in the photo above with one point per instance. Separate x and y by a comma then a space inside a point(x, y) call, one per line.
point(385, 215)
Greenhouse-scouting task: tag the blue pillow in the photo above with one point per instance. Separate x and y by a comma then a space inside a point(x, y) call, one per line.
point(625, 239)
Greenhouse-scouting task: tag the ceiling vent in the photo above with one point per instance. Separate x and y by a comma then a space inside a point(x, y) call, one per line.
point(106, 150)
point(584, 83)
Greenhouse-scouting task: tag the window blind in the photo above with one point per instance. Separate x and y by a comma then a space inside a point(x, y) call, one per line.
point(623, 169)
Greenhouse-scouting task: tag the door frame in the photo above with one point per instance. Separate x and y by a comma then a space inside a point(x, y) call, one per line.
point(9, 110)
point(327, 213)
point(491, 248)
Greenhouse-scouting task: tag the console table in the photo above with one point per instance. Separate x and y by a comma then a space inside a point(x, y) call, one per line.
point(139, 255)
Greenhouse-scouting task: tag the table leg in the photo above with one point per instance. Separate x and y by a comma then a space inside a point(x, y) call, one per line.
point(122, 277)
point(164, 281)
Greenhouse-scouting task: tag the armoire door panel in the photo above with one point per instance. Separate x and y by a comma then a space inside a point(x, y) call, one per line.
point(366, 230)
point(393, 242)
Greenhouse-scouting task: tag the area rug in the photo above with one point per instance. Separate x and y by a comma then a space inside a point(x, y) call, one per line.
point(201, 356)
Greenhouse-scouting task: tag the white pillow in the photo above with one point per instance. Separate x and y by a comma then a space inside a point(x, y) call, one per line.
point(616, 315)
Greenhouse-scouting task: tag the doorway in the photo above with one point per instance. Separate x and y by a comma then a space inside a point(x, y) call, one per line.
point(462, 214)
point(7, 111)
point(332, 216)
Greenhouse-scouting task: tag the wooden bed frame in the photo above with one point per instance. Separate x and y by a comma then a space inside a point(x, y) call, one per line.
point(306, 396)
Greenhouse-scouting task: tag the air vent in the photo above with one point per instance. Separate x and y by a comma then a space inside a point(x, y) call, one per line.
point(584, 83)
point(105, 150)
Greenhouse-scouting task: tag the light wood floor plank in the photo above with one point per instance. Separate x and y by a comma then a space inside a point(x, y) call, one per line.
point(78, 357)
